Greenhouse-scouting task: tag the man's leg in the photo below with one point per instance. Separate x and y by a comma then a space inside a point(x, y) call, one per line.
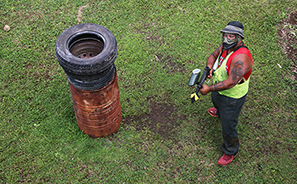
point(229, 116)
point(216, 100)
point(228, 110)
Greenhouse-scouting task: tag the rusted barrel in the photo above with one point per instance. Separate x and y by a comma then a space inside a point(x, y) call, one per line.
point(98, 112)
point(87, 53)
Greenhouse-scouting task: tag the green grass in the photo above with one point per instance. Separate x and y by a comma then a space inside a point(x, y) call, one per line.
point(39, 138)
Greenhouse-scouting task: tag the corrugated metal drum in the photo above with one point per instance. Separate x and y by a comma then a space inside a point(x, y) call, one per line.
point(98, 112)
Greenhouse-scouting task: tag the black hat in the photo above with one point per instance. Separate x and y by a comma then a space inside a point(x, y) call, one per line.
point(234, 27)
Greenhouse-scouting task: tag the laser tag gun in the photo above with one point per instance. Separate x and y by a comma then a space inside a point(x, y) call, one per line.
point(194, 80)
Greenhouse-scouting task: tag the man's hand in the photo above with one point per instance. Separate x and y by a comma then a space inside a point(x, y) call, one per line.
point(210, 74)
point(204, 90)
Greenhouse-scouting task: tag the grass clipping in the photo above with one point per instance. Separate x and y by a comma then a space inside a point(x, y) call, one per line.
point(79, 14)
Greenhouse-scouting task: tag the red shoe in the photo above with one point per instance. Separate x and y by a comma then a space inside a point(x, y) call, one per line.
point(225, 160)
point(213, 112)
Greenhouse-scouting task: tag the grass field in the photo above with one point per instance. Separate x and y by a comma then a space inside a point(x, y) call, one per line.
point(164, 138)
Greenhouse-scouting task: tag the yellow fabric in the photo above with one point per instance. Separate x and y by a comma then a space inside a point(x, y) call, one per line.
point(195, 96)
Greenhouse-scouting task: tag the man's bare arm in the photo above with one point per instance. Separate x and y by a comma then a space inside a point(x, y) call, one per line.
point(212, 58)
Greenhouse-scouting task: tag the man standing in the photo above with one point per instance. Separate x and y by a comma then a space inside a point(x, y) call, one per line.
point(233, 63)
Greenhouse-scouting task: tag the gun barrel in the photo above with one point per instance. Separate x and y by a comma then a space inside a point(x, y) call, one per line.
point(203, 77)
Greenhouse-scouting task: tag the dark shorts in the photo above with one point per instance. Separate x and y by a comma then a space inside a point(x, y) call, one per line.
point(228, 110)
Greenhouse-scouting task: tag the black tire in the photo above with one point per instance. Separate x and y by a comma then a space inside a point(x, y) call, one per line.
point(94, 84)
point(87, 53)
point(90, 77)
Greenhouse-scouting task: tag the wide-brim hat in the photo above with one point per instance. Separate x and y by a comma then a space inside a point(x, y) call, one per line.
point(234, 27)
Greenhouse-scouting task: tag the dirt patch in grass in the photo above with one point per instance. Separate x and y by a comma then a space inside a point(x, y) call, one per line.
point(288, 39)
point(162, 119)
point(155, 40)
point(169, 64)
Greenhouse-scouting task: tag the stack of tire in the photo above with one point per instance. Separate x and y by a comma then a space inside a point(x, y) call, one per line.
point(87, 53)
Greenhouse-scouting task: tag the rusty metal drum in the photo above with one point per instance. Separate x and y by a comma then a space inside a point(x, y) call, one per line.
point(98, 112)
point(87, 53)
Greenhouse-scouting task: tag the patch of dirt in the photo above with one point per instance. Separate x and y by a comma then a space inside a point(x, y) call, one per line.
point(156, 40)
point(169, 64)
point(161, 120)
point(288, 39)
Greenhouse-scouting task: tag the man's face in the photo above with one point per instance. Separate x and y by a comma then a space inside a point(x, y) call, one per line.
point(229, 40)
point(229, 36)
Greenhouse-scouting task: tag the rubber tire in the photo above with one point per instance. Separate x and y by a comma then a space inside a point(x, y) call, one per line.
point(93, 84)
point(85, 73)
